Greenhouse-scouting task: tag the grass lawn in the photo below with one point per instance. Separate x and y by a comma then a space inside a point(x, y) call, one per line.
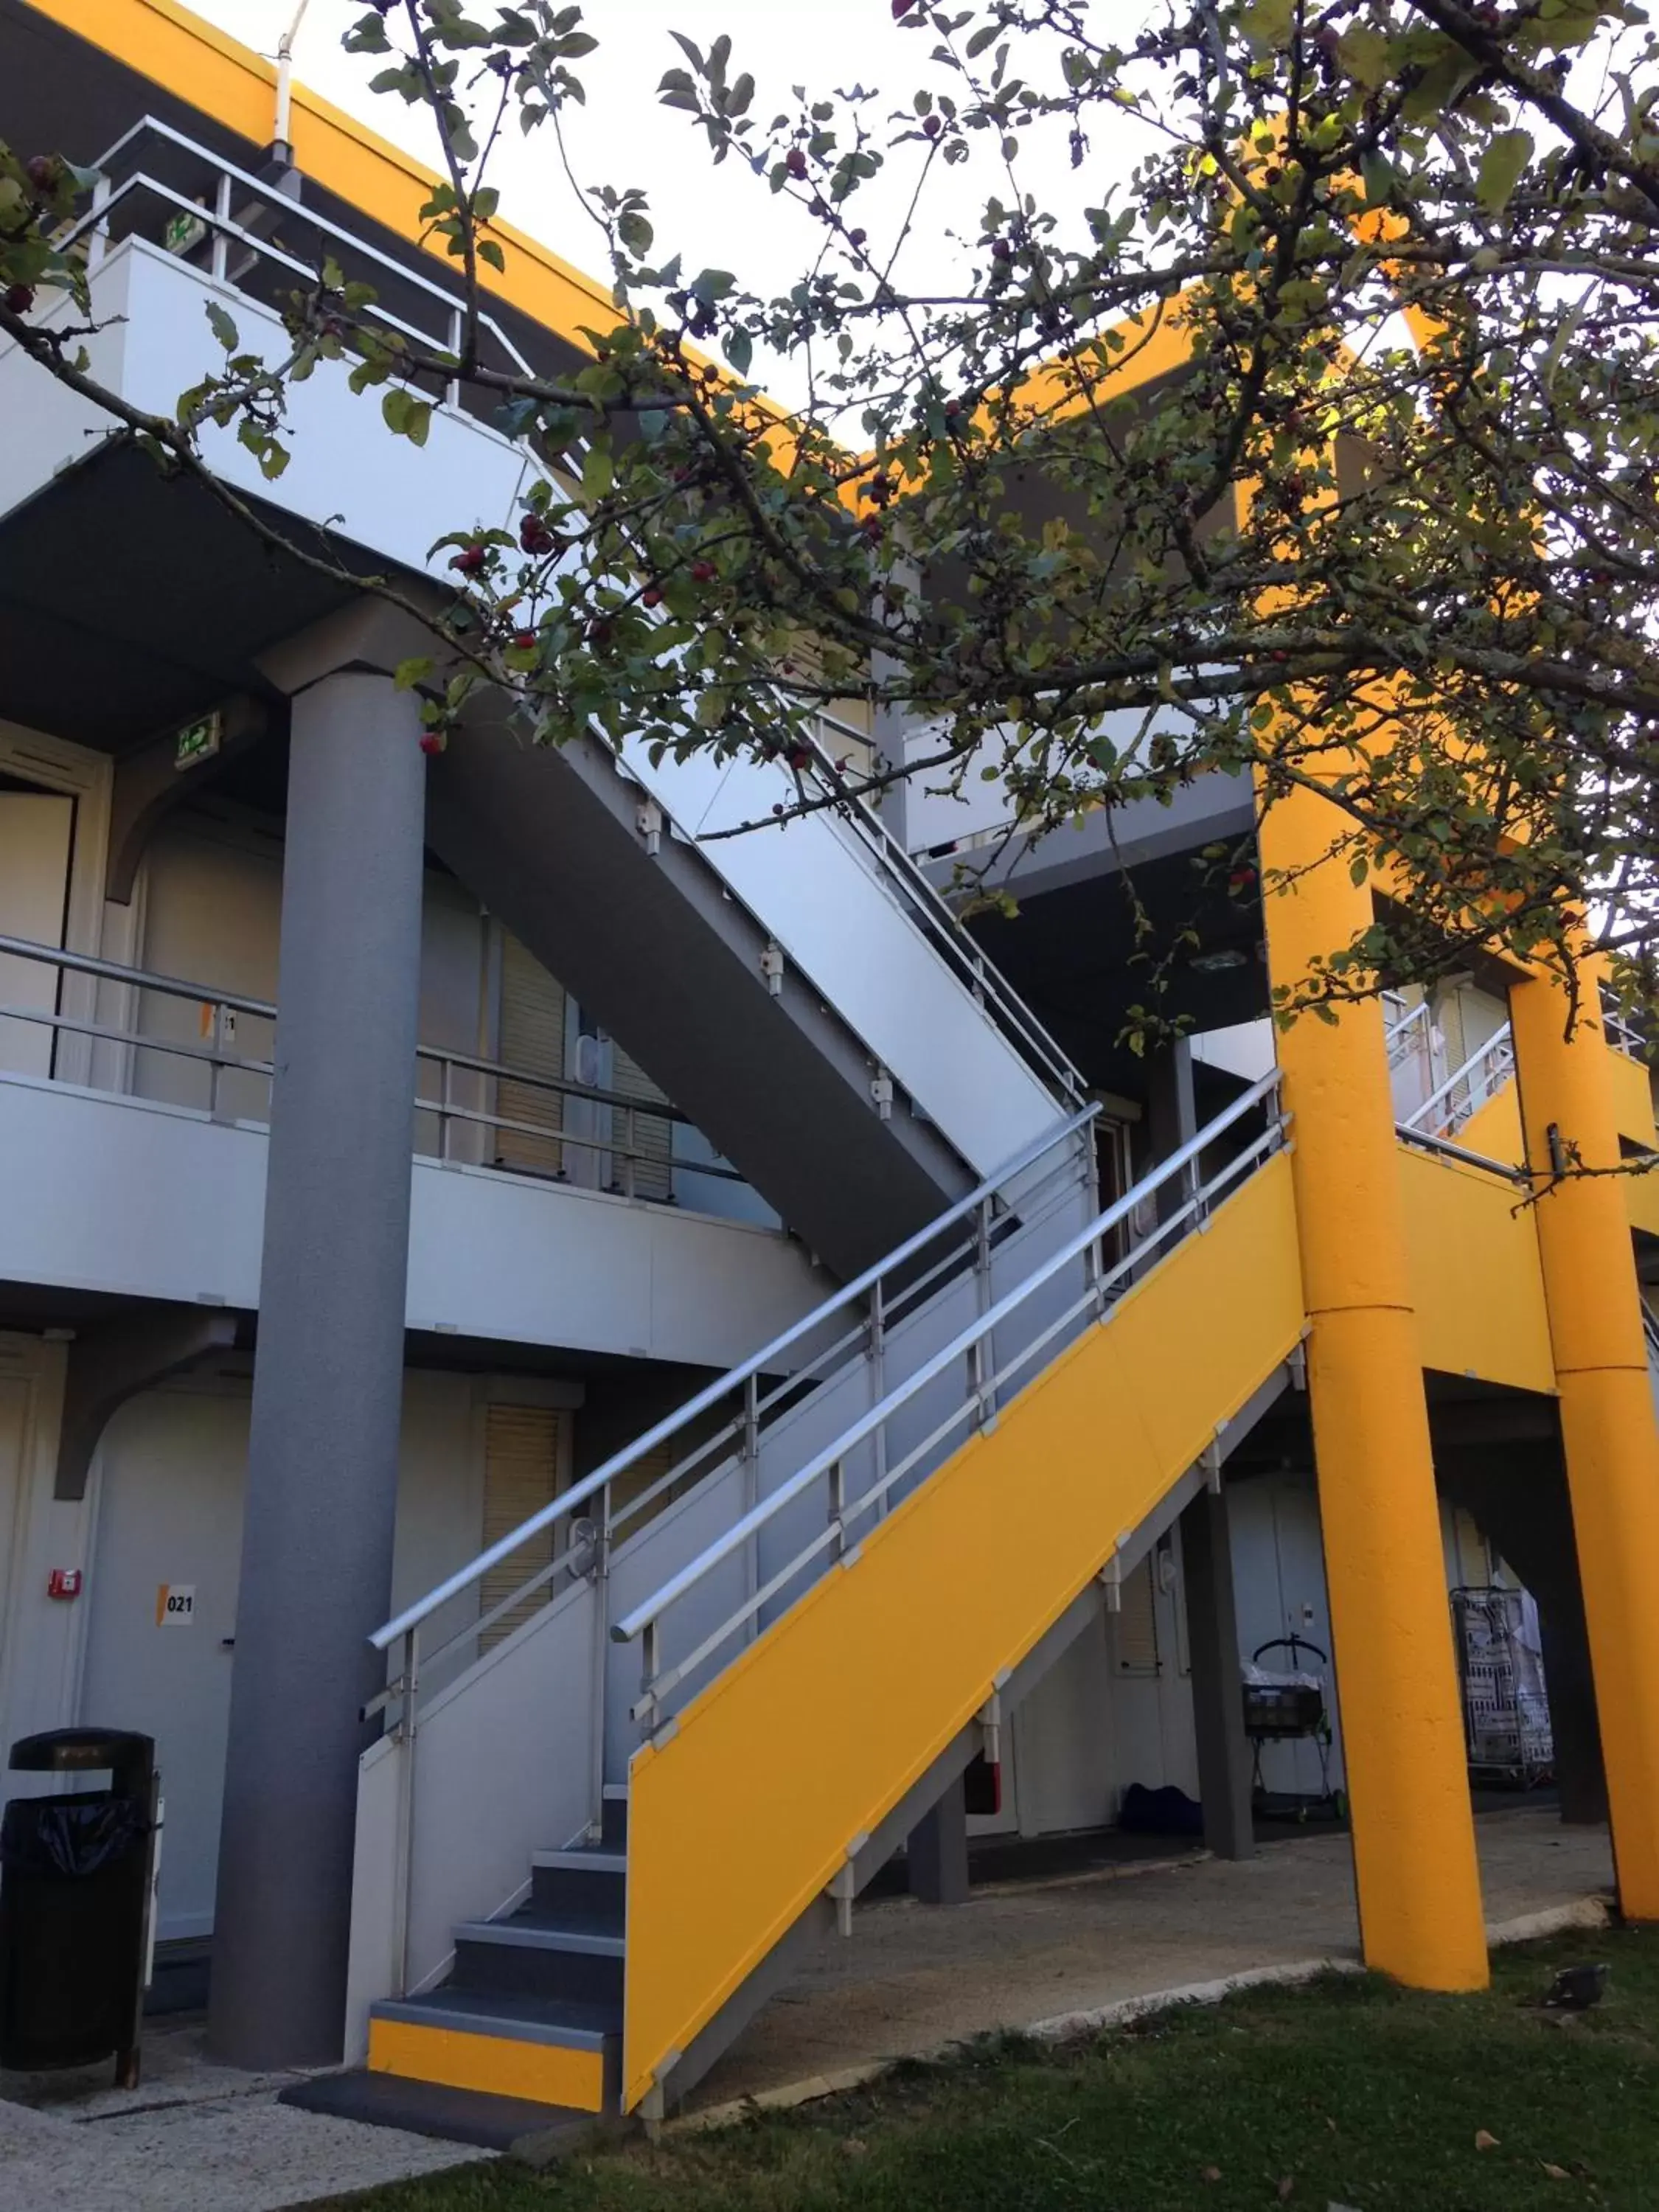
point(1348, 2093)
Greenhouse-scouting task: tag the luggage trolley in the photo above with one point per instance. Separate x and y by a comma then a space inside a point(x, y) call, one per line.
point(1506, 1715)
point(1287, 1706)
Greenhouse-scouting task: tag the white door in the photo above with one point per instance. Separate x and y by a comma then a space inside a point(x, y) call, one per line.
point(36, 829)
point(162, 1607)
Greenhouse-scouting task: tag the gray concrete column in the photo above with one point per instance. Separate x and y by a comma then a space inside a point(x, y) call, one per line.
point(1223, 1750)
point(322, 1477)
point(936, 1852)
point(1575, 1730)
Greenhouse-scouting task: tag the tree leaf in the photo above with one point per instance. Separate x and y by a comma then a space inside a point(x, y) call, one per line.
point(1501, 165)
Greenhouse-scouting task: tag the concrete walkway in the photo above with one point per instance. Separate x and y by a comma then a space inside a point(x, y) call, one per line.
point(912, 1978)
point(198, 2137)
point(194, 2137)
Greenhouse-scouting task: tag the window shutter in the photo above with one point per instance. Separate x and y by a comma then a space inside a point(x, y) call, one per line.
point(532, 1038)
point(521, 1475)
point(650, 1135)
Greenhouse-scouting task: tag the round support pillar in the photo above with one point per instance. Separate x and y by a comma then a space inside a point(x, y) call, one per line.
point(1607, 1428)
point(322, 1481)
point(1415, 1867)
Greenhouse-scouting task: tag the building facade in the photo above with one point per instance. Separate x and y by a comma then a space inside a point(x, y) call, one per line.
point(587, 1384)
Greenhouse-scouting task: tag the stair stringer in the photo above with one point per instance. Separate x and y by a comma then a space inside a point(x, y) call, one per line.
point(1084, 1613)
point(793, 1763)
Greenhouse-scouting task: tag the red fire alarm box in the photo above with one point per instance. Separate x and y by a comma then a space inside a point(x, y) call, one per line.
point(63, 1582)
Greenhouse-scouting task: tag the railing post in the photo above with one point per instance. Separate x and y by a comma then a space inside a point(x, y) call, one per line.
point(838, 1508)
point(404, 1873)
point(879, 1390)
point(457, 333)
point(598, 1701)
point(751, 1456)
point(446, 1096)
point(630, 1141)
point(650, 1667)
point(221, 254)
point(982, 1362)
point(215, 1069)
point(98, 238)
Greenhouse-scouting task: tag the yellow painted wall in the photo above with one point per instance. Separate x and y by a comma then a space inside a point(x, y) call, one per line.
point(1476, 1280)
point(1495, 1131)
point(815, 1733)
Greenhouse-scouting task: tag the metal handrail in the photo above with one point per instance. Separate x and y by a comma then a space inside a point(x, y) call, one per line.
point(263, 189)
point(1623, 1036)
point(1501, 1041)
point(768, 1357)
point(218, 1059)
point(932, 912)
point(1445, 1148)
point(645, 1615)
point(1399, 1022)
point(942, 926)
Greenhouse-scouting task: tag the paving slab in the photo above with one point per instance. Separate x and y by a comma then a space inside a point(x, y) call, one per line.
point(913, 1979)
point(194, 2136)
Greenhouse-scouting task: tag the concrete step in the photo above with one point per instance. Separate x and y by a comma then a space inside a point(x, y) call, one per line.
point(516, 2126)
point(546, 2051)
point(560, 1953)
point(590, 1880)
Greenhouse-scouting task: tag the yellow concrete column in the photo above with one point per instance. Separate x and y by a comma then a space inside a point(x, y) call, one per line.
point(1413, 1833)
point(1606, 1405)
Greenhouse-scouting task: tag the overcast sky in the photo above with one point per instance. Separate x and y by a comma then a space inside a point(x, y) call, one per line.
point(719, 217)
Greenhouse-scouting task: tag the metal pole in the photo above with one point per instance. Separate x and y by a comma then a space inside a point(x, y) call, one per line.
point(404, 1874)
point(878, 1388)
point(751, 1456)
point(597, 1701)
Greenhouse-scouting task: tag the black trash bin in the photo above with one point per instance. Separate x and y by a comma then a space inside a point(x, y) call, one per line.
point(76, 1877)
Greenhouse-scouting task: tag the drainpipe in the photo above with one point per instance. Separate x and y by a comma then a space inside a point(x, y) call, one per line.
point(281, 145)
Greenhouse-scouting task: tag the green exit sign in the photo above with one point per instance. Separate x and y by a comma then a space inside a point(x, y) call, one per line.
point(198, 741)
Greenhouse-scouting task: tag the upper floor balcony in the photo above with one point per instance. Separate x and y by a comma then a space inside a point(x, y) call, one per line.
point(545, 1211)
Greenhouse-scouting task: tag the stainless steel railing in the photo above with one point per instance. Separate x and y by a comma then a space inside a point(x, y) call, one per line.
point(1183, 1198)
point(219, 1011)
point(227, 248)
point(211, 228)
point(1468, 1088)
point(744, 1400)
point(932, 914)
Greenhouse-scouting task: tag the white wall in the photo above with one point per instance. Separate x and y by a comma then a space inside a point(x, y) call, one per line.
point(164, 1506)
point(143, 1199)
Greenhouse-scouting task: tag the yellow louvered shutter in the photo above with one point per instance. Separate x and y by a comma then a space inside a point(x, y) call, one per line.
point(650, 1134)
point(1134, 1628)
point(521, 1475)
point(532, 1038)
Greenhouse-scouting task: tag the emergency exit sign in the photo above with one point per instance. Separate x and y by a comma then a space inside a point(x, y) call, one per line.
point(198, 740)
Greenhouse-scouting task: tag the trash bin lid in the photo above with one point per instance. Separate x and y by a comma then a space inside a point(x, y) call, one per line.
point(81, 1750)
